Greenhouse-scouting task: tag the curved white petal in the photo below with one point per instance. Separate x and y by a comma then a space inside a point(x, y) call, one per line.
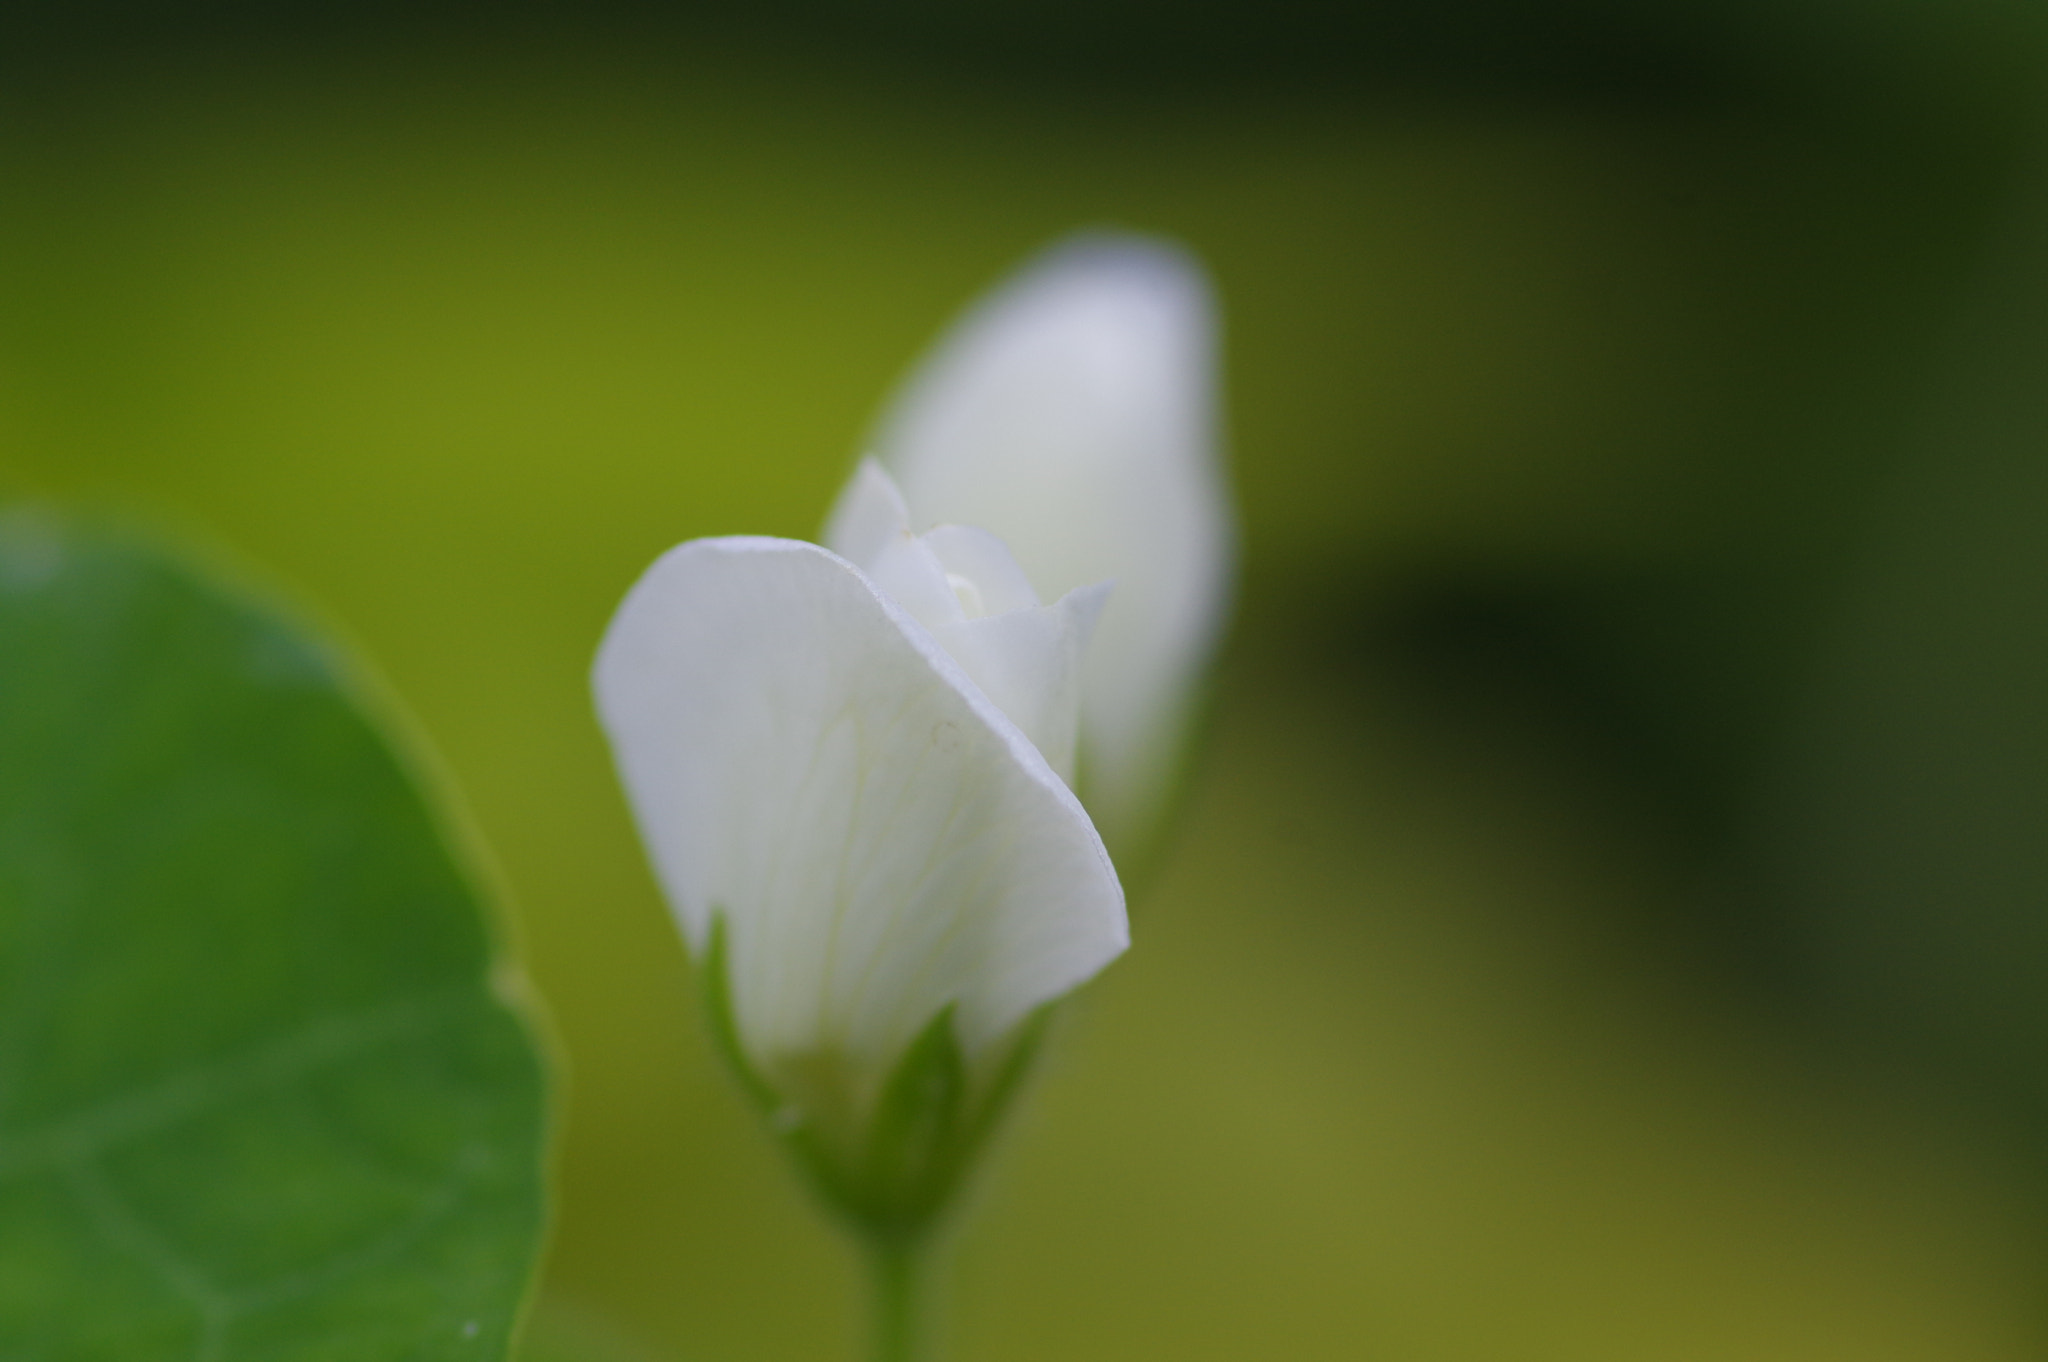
point(970, 554)
point(868, 514)
point(910, 574)
point(962, 583)
point(1029, 663)
point(1073, 413)
point(803, 758)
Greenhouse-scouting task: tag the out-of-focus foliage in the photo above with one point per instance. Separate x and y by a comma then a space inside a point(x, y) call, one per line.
point(1630, 700)
point(1905, 822)
point(257, 1096)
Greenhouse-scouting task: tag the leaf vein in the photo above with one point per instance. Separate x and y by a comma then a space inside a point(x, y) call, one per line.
point(195, 1090)
point(115, 1219)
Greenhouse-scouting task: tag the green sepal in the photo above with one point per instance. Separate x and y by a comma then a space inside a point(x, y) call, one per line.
point(892, 1169)
point(716, 982)
point(914, 1132)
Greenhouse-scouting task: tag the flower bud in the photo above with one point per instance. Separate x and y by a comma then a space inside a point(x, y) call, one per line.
point(883, 874)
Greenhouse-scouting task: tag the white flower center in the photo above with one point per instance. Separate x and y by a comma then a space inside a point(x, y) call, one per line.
point(968, 594)
point(964, 585)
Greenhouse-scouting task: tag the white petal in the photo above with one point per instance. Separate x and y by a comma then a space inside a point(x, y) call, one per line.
point(1074, 415)
point(803, 758)
point(869, 514)
point(1029, 663)
point(972, 553)
point(910, 574)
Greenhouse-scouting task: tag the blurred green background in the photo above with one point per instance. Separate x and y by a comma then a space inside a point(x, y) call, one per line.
point(1608, 917)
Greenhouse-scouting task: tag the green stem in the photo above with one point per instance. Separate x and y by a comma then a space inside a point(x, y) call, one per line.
point(896, 1268)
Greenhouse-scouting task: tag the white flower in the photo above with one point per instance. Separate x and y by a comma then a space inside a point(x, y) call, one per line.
point(851, 764)
point(1073, 415)
point(836, 785)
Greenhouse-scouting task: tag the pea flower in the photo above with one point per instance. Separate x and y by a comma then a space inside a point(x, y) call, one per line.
point(847, 781)
point(1073, 413)
point(853, 765)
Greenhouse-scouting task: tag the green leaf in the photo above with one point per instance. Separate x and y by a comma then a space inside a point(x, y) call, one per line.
point(258, 1096)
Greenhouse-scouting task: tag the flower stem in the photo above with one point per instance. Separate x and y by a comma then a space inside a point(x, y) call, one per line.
point(896, 1269)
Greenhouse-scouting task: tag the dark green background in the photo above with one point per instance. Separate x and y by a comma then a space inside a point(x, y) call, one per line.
point(1607, 922)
